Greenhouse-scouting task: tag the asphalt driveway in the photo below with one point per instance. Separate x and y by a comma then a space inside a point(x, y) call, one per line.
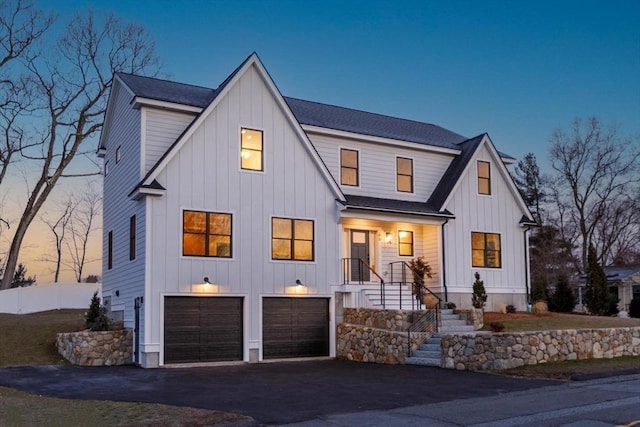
point(271, 393)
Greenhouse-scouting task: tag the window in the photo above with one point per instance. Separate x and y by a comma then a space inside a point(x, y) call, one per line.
point(106, 168)
point(251, 149)
point(484, 177)
point(404, 172)
point(132, 238)
point(118, 155)
point(292, 239)
point(405, 243)
point(206, 234)
point(348, 167)
point(485, 250)
point(110, 251)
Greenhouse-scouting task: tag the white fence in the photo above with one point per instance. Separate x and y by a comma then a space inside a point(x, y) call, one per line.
point(54, 296)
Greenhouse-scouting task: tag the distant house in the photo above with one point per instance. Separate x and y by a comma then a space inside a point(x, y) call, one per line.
point(623, 281)
point(238, 223)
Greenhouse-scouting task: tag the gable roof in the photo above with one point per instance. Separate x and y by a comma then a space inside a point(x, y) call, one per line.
point(168, 91)
point(146, 183)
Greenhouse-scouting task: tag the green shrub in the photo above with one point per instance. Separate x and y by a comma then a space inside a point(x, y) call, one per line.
point(96, 318)
point(563, 299)
point(496, 326)
point(479, 297)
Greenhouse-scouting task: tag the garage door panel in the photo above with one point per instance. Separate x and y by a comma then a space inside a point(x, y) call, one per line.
point(295, 327)
point(203, 329)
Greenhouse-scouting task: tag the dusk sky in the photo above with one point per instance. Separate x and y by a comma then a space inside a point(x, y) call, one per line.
point(516, 70)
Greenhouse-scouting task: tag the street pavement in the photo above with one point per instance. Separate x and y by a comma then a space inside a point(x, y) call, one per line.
point(340, 393)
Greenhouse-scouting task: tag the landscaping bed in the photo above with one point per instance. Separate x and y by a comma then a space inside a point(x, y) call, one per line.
point(520, 321)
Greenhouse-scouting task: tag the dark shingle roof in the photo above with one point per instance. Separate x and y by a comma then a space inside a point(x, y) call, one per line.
point(306, 112)
point(165, 90)
point(391, 205)
point(362, 122)
point(453, 173)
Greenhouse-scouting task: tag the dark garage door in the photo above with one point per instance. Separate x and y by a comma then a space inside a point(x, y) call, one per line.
point(295, 327)
point(202, 329)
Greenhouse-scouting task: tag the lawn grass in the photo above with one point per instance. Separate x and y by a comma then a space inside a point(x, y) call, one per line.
point(518, 322)
point(568, 370)
point(29, 339)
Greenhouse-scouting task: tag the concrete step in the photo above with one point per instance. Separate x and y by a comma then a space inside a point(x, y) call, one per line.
point(422, 361)
point(449, 316)
point(430, 345)
point(448, 329)
point(435, 354)
point(453, 323)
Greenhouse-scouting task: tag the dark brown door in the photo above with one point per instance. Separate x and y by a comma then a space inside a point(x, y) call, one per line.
point(202, 329)
point(295, 327)
point(360, 251)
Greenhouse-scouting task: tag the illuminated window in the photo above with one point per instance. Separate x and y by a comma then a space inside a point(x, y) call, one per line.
point(404, 174)
point(292, 239)
point(405, 243)
point(251, 149)
point(348, 167)
point(485, 250)
point(484, 177)
point(206, 234)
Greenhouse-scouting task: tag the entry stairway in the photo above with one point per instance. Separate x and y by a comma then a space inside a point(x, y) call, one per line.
point(430, 353)
point(397, 297)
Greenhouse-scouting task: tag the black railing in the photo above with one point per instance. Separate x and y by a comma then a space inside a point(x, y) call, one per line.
point(427, 322)
point(402, 275)
point(357, 270)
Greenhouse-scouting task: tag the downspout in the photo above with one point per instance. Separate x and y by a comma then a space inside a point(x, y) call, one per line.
point(526, 264)
point(444, 268)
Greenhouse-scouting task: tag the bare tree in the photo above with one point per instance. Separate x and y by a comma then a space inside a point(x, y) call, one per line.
point(596, 169)
point(81, 224)
point(59, 228)
point(69, 88)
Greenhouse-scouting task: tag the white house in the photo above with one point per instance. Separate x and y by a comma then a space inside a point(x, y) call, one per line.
point(238, 222)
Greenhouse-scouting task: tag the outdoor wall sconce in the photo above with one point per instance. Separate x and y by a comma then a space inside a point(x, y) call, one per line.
point(388, 238)
point(118, 293)
point(299, 283)
point(206, 280)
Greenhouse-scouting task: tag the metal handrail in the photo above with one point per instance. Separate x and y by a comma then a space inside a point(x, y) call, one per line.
point(420, 285)
point(429, 317)
point(362, 264)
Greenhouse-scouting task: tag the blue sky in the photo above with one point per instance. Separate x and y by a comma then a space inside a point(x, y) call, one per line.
point(514, 69)
point(517, 70)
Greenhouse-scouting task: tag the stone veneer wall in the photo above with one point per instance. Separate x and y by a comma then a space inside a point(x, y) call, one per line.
point(376, 336)
point(88, 348)
point(482, 351)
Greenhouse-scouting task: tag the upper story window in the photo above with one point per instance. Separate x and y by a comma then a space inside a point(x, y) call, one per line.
point(132, 238)
point(405, 243)
point(251, 157)
point(118, 154)
point(404, 174)
point(292, 239)
point(485, 250)
point(349, 167)
point(110, 251)
point(484, 177)
point(206, 234)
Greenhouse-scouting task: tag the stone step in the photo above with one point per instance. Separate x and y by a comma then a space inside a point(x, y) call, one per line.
point(449, 316)
point(447, 329)
point(453, 323)
point(435, 354)
point(430, 346)
point(446, 311)
point(422, 361)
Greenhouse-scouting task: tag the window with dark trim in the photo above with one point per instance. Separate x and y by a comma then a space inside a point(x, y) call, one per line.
point(349, 167)
point(251, 157)
point(484, 177)
point(110, 251)
point(106, 168)
point(405, 243)
point(118, 155)
point(485, 250)
point(292, 239)
point(206, 234)
point(404, 174)
point(132, 238)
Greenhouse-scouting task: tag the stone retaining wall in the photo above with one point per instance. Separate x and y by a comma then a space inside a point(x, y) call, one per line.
point(473, 316)
point(481, 351)
point(376, 336)
point(88, 348)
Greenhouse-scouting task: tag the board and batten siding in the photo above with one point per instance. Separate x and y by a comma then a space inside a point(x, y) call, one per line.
point(497, 213)
point(126, 276)
point(377, 167)
point(205, 175)
point(162, 128)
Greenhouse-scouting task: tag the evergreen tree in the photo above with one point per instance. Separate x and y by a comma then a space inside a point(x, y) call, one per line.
point(596, 297)
point(529, 182)
point(563, 299)
point(20, 278)
point(479, 297)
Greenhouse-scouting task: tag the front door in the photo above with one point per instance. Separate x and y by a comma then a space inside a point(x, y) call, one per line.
point(360, 251)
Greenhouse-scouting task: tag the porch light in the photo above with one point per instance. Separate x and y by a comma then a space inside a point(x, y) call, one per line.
point(298, 288)
point(299, 283)
point(205, 286)
point(388, 238)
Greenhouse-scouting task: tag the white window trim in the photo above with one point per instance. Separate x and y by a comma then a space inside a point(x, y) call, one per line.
point(289, 261)
point(413, 243)
point(203, 257)
point(490, 179)
point(471, 251)
point(413, 175)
